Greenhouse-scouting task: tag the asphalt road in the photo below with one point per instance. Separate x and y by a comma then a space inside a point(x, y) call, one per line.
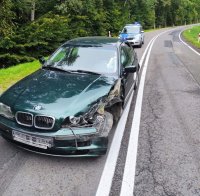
point(168, 159)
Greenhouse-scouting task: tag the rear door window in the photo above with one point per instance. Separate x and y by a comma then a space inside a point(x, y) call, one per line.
point(127, 56)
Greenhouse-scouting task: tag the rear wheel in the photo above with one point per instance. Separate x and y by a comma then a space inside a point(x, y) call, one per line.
point(137, 78)
point(136, 83)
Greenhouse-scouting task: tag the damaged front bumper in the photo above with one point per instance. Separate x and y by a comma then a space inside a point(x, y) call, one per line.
point(66, 142)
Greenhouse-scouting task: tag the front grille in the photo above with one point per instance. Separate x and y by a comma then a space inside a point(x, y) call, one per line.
point(38, 121)
point(44, 122)
point(129, 38)
point(24, 118)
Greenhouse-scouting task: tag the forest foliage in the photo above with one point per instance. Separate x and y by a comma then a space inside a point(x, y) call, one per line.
point(30, 28)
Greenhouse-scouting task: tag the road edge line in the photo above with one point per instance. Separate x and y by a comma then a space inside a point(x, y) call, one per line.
point(128, 180)
point(111, 161)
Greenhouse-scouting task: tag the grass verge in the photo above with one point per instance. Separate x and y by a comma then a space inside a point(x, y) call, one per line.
point(191, 35)
point(150, 30)
point(11, 75)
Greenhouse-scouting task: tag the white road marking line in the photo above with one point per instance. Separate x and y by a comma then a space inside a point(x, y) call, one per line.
point(109, 168)
point(130, 164)
point(188, 45)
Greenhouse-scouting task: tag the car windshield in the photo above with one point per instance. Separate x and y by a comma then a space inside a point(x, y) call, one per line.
point(102, 60)
point(131, 29)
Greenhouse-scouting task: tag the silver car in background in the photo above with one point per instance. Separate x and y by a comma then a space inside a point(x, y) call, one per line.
point(133, 33)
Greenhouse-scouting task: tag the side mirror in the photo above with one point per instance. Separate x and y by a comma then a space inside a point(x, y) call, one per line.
point(142, 31)
point(130, 69)
point(42, 60)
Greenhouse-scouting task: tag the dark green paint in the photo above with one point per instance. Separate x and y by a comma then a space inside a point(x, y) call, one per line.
point(60, 94)
point(94, 41)
point(97, 147)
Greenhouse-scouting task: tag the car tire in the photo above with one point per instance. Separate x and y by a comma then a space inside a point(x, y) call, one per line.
point(140, 46)
point(117, 110)
point(137, 79)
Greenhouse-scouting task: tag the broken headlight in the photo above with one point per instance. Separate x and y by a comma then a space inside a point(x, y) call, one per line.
point(93, 116)
point(74, 120)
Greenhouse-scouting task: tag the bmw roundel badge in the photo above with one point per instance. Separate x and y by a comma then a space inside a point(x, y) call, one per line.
point(37, 107)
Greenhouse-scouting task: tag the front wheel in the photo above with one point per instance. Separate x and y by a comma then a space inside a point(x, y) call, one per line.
point(117, 110)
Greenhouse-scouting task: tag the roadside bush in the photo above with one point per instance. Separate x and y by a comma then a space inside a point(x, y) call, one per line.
point(9, 59)
point(40, 37)
point(50, 28)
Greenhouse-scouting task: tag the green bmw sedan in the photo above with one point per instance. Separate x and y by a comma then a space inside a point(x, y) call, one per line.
point(67, 108)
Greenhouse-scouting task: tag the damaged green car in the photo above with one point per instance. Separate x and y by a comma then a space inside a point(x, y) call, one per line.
point(67, 108)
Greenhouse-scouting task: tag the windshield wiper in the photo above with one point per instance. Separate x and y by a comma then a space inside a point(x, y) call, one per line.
point(84, 71)
point(70, 71)
point(56, 69)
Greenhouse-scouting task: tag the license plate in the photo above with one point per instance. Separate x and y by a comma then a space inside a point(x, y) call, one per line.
point(40, 142)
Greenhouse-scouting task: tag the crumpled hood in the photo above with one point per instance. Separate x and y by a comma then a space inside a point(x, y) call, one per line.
point(60, 94)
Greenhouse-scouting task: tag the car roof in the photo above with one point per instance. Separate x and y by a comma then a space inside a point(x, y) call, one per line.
point(136, 25)
point(94, 41)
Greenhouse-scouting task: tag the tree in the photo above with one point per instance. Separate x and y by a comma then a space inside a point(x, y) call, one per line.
point(7, 16)
point(29, 10)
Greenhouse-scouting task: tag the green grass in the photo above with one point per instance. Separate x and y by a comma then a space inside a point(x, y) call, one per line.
point(13, 74)
point(191, 35)
point(150, 30)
